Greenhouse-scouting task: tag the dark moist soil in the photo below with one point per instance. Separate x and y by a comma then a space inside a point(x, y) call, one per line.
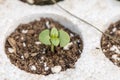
point(110, 47)
point(26, 52)
point(40, 2)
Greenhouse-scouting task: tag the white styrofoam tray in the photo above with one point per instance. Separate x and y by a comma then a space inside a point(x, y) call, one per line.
point(92, 65)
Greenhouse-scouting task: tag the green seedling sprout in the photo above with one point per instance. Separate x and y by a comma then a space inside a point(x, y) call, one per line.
point(54, 38)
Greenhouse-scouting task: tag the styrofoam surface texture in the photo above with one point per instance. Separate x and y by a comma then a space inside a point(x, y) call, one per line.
point(92, 65)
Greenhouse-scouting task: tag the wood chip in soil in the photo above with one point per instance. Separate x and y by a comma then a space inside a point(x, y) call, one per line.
point(26, 52)
point(110, 47)
point(40, 2)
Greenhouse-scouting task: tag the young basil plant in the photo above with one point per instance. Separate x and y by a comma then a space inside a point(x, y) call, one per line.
point(54, 38)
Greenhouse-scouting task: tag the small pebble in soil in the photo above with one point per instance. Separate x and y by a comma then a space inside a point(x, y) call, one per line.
point(42, 58)
point(48, 24)
point(33, 67)
point(22, 57)
point(26, 55)
point(34, 54)
point(111, 32)
point(115, 57)
point(71, 35)
point(11, 50)
point(46, 68)
point(30, 1)
point(114, 29)
point(45, 64)
point(78, 41)
point(37, 42)
point(24, 31)
point(56, 69)
point(114, 48)
point(80, 51)
point(108, 45)
point(44, 51)
point(22, 38)
point(24, 45)
point(104, 50)
point(68, 46)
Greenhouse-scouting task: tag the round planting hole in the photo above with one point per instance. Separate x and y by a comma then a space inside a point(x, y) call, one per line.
point(39, 2)
point(25, 51)
point(111, 48)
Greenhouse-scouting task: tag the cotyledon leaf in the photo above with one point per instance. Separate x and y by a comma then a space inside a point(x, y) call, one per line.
point(54, 33)
point(64, 38)
point(44, 37)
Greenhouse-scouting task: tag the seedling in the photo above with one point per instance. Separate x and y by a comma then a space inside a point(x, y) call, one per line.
point(54, 38)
